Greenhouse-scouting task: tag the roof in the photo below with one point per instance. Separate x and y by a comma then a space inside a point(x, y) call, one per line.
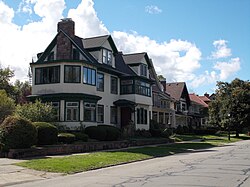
point(204, 98)
point(95, 41)
point(178, 90)
point(121, 66)
point(195, 98)
point(135, 58)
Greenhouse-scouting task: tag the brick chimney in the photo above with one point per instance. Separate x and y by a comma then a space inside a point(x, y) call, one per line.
point(163, 82)
point(64, 46)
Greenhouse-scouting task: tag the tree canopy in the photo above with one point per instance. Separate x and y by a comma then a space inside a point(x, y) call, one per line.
point(231, 105)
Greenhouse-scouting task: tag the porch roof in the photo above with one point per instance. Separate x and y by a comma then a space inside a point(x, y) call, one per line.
point(124, 103)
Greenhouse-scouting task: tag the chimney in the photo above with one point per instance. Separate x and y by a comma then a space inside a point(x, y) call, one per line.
point(206, 94)
point(64, 46)
point(163, 82)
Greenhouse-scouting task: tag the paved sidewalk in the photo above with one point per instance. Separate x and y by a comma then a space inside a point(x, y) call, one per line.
point(11, 174)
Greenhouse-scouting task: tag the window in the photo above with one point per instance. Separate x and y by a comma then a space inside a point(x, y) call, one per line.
point(72, 111)
point(113, 115)
point(142, 116)
point(100, 114)
point(143, 70)
point(100, 82)
point(161, 118)
point(89, 112)
point(76, 54)
point(51, 56)
point(56, 108)
point(142, 88)
point(127, 86)
point(47, 75)
point(72, 74)
point(107, 57)
point(89, 76)
point(114, 86)
point(155, 116)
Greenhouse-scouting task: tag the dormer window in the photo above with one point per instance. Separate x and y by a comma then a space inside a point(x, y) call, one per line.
point(76, 54)
point(143, 70)
point(107, 57)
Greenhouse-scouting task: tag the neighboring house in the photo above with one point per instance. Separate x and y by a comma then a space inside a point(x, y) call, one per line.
point(206, 98)
point(198, 110)
point(89, 82)
point(179, 92)
point(163, 104)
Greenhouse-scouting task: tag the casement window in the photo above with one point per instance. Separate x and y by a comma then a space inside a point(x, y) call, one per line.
point(114, 85)
point(127, 86)
point(100, 113)
point(142, 116)
point(56, 109)
point(47, 75)
point(100, 82)
point(113, 115)
point(89, 112)
point(107, 57)
point(89, 76)
point(143, 70)
point(72, 111)
point(76, 54)
point(72, 74)
point(142, 88)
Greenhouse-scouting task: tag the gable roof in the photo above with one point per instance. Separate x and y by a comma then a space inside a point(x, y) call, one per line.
point(135, 58)
point(178, 90)
point(121, 66)
point(98, 41)
point(204, 98)
point(195, 98)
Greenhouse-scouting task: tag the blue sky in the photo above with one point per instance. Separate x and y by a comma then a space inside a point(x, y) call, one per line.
point(199, 42)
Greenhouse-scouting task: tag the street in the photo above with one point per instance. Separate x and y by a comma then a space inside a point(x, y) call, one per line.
point(220, 166)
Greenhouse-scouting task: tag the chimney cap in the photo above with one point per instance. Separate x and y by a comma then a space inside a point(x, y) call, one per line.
point(66, 19)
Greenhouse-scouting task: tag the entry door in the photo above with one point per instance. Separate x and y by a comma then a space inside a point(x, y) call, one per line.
point(125, 116)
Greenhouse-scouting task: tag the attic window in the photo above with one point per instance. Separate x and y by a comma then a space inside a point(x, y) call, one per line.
point(107, 57)
point(51, 56)
point(76, 54)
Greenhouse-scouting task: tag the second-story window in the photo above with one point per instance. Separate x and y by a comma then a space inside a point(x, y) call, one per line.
point(114, 85)
point(142, 88)
point(72, 74)
point(143, 70)
point(89, 76)
point(100, 82)
point(107, 57)
point(47, 75)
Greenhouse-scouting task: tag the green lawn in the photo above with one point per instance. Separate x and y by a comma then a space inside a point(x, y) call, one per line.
point(78, 163)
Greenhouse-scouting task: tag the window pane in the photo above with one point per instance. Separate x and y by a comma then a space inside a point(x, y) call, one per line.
point(93, 77)
point(100, 82)
point(114, 85)
point(85, 75)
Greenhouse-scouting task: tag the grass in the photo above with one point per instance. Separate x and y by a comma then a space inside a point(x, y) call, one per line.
point(79, 163)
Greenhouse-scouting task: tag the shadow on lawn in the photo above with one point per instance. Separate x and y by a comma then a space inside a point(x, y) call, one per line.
point(165, 150)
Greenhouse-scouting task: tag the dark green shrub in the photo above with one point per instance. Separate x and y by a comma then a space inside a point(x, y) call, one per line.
point(112, 133)
point(67, 138)
point(17, 133)
point(165, 133)
point(81, 136)
point(185, 129)
point(203, 131)
point(179, 130)
point(47, 133)
point(156, 132)
point(96, 133)
point(143, 133)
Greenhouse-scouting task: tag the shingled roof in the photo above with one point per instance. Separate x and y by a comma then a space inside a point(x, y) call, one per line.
point(178, 90)
point(135, 58)
point(95, 41)
point(195, 98)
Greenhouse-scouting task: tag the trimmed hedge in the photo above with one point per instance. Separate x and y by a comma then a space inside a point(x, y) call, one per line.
point(47, 133)
point(17, 133)
point(103, 132)
point(81, 136)
point(66, 138)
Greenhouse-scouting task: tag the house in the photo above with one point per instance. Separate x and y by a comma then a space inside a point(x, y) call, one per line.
point(178, 91)
point(163, 105)
point(89, 82)
point(198, 110)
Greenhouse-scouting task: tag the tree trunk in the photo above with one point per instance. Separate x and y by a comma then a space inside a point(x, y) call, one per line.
point(237, 134)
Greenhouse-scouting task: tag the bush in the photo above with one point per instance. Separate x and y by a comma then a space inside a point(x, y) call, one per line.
point(165, 133)
point(143, 133)
point(17, 133)
point(203, 131)
point(47, 133)
point(179, 130)
point(81, 136)
point(185, 129)
point(103, 132)
point(66, 138)
point(156, 132)
point(112, 133)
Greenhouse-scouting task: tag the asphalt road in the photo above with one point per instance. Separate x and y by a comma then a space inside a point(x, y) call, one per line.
point(221, 166)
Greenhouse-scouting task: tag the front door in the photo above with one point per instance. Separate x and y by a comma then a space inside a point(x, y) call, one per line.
point(125, 116)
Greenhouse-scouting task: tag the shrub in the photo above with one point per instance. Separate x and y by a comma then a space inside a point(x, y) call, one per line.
point(47, 133)
point(112, 133)
point(67, 138)
point(179, 130)
point(155, 132)
point(81, 136)
point(185, 129)
point(203, 131)
point(165, 133)
point(143, 133)
point(17, 133)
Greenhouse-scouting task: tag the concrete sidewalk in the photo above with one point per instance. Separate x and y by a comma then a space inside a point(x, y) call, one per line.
point(11, 174)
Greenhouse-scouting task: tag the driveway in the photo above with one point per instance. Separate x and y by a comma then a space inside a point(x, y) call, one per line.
point(221, 166)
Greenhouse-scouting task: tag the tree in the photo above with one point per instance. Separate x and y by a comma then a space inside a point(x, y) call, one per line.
point(22, 89)
point(7, 105)
point(232, 105)
point(5, 75)
point(36, 112)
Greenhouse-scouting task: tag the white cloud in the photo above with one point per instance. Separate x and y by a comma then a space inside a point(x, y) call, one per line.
point(6, 13)
point(25, 7)
point(228, 68)
point(205, 78)
point(222, 50)
point(152, 9)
